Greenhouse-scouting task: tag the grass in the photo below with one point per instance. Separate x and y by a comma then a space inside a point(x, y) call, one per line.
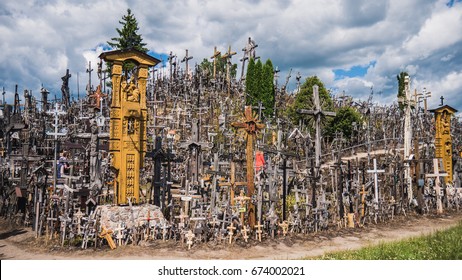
point(440, 245)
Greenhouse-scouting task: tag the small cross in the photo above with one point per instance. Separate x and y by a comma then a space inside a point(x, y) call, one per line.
point(285, 227)
point(231, 233)
point(244, 233)
point(107, 234)
point(258, 232)
point(442, 99)
point(189, 236)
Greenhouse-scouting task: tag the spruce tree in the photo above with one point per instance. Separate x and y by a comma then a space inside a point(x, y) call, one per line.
point(128, 35)
point(267, 81)
point(401, 93)
point(249, 82)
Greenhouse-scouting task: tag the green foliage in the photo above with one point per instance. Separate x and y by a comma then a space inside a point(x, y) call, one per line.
point(128, 36)
point(251, 98)
point(207, 67)
point(304, 100)
point(343, 122)
point(401, 93)
point(441, 245)
point(267, 84)
point(128, 39)
point(259, 85)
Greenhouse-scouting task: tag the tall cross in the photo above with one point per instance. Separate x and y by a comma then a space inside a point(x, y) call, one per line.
point(426, 94)
point(171, 63)
point(227, 56)
point(89, 70)
point(251, 125)
point(376, 185)
point(442, 101)
point(408, 102)
point(249, 52)
point(436, 174)
point(318, 113)
point(56, 113)
point(216, 54)
point(185, 59)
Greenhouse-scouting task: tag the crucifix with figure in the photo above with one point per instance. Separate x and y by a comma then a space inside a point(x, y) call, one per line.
point(251, 126)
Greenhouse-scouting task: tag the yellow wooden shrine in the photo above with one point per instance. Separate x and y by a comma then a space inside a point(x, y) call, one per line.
point(127, 140)
point(443, 140)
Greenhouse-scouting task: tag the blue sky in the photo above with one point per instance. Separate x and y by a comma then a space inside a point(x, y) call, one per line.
point(351, 45)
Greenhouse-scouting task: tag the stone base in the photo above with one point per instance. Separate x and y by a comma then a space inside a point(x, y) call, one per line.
point(112, 217)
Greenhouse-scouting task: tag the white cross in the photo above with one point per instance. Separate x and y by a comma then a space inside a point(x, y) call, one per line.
point(436, 174)
point(376, 185)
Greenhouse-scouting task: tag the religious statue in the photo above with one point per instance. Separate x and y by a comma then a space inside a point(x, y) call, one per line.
point(445, 122)
point(65, 89)
point(130, 90)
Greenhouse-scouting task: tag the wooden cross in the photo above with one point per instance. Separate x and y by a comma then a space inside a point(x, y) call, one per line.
point(107, 234)
point(231, 233)
point(251, 125)
point(259, 231)
point(436, 174)
point(376, 185)
point(189, 236)
point(227, 56)
point(285, 227)
point(363, 199)
point(216, 54)
point(426, 94)
point(318, 113)
point(182, 218)
point(242, 201)
point(78, 216)
point(244, 233)
point(185, 59)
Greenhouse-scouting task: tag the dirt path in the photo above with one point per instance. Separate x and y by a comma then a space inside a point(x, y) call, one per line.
point(21, 244)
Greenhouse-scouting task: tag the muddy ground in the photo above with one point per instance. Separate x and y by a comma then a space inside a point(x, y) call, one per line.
point(19, 243)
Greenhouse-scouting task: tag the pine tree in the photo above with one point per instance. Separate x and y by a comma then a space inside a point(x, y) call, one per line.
point(267, 82)
point(249, 82)
point(128, 36)
point(401, 93)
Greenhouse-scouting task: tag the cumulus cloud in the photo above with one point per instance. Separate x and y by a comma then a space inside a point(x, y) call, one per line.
point(41, 39)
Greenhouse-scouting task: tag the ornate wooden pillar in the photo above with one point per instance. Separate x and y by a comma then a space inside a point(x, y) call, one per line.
point(443, 140)
point(127, 140)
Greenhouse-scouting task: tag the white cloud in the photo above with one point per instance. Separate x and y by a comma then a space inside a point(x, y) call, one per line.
point(41, 39)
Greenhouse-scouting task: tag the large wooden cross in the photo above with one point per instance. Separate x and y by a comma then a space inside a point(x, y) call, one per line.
point(318, 113)
point(436, 174)
point(227, 56)
point(216, 53)
point(251, 125)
